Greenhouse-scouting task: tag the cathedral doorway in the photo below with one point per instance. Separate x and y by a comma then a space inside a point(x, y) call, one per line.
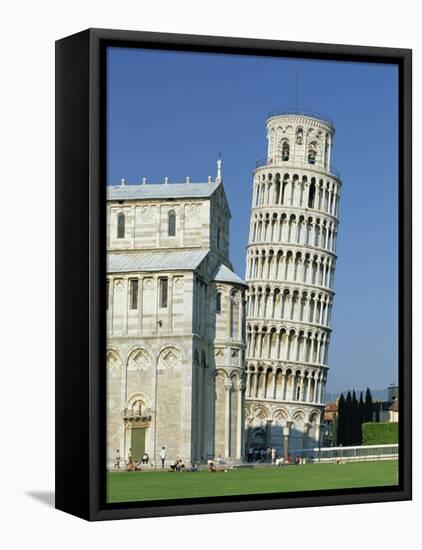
point(137, 435)
point(258, 438)
point(138, 443)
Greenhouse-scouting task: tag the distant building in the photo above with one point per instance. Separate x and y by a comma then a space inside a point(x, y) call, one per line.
point(393, 392)
point(388, 411)
point(330, 413)
point(330, 410)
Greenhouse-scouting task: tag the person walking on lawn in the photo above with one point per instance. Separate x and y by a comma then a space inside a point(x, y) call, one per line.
point(163, 455)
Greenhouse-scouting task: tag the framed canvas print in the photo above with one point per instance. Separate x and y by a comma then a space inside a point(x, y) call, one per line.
point(232, 333)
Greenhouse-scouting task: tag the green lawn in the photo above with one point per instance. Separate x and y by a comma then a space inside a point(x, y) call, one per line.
point(150, 485)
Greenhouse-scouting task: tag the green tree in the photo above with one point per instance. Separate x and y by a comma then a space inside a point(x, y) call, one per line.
point(354, 420)
point(380, 433)
point(340, 422)
point(361, 416)
point(348, 420)
point(369, 406)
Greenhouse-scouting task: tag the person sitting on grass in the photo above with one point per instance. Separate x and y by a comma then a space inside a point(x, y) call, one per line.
point(213, 469)
point(177, 466)
point(174, 465)
point(193, 468)
point(131, 466)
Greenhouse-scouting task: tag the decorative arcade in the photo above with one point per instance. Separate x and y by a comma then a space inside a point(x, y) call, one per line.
point(290, 268)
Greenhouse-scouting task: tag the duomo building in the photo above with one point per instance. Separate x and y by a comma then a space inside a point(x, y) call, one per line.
point(175, 323)
point(198, 360)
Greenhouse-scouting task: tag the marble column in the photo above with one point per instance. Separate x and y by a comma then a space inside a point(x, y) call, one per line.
point(240, 420)
point(228, 387)
point(268, 434)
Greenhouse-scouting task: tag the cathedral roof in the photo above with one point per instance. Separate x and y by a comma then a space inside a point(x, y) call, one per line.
point(155, 261)
point(161, 191)
point(226, 275)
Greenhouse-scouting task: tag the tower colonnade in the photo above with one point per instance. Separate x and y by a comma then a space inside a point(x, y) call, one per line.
point(293, 188)
point(272, 383)
point(290, 267)
point(277, 303)
point(301, 229)
point(288, 344)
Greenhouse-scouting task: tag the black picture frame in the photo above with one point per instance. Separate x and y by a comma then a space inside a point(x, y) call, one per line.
point(81, 268)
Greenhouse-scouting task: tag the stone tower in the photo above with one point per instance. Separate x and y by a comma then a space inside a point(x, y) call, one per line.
point(291, 261)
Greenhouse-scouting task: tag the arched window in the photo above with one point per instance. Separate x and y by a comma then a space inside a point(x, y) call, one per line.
point(283, 191)
point(234, 316)
point(311, 198)
point(218, 239)
point(285, 150)
point(134, 292)
point(218, 302)
point(171, 224)
point(164, 282)
point(277, 191)
point(312, 151)
point(121, 226)
point(299, 136)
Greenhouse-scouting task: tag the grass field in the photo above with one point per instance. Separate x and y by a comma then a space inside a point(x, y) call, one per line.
point(150, 485)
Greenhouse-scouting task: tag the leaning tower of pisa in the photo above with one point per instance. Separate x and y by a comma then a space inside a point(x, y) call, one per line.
point(291, 261)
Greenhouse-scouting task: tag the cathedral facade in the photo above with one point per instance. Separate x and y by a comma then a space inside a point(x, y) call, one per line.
point(175, 324)
point(291, 260)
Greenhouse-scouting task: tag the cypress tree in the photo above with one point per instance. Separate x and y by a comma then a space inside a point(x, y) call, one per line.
point(354, 420)
point(361, 416)
point(340, 420)
point(348, 420)
point(369, 406)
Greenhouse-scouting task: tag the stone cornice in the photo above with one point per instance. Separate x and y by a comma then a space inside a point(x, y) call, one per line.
point(287, 167)
point(289, 285)
point(280, 363)
point(298, 326)
point(303, 248)
point(281, 402)
point(307, 212)
point(302, 120)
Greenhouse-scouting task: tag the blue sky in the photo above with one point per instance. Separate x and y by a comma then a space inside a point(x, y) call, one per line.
point(170, 113)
